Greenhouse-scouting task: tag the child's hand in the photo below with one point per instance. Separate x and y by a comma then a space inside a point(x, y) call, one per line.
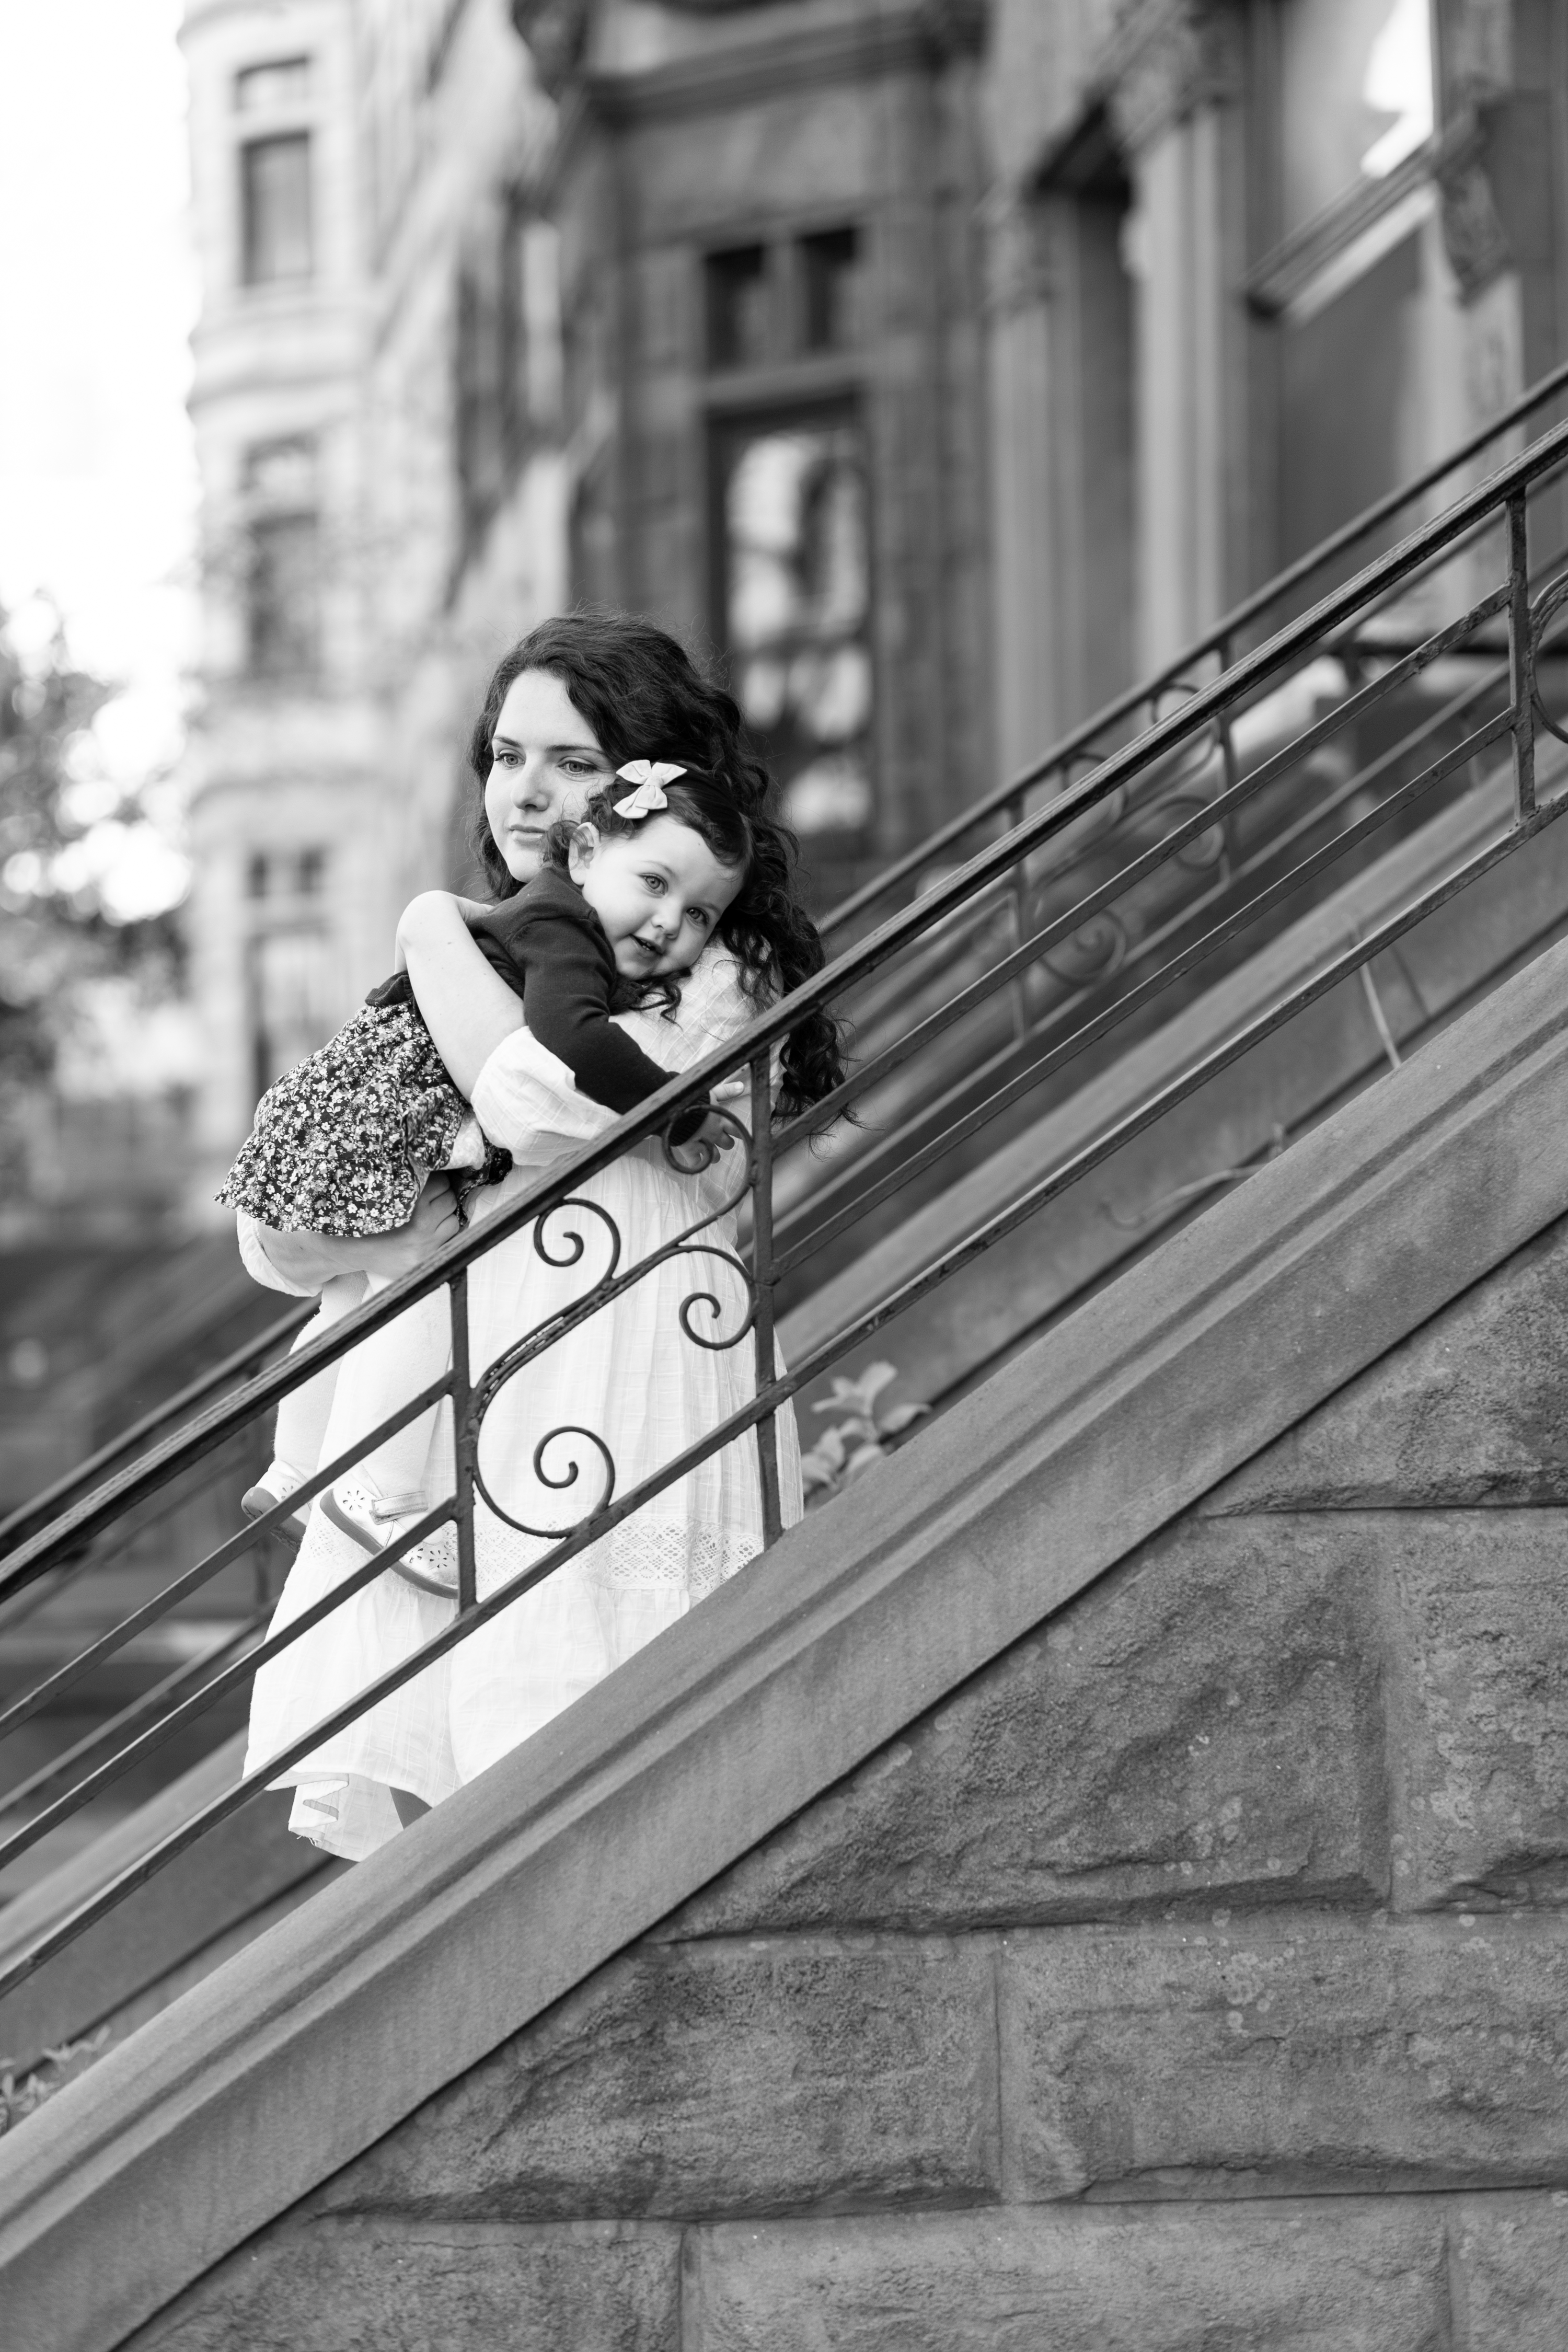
point(698, 1149)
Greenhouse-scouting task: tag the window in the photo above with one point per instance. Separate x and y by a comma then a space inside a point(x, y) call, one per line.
point(1349, 383)
point(275, 208)
point(291, 998)
point(260, 90)
point(283, 538)
point(1356, 98)
point(304, 872)
point(284, 634)
point(479, 399)
point(792, 564)
point(513, 329)
point(830, 288)
point(738, 308)
point(1354, 279)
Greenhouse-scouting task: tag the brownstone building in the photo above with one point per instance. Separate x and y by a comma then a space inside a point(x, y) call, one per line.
point(940, 366)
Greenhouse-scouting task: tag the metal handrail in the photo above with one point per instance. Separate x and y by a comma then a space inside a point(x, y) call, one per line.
point(1013, 861)
point(52, 1499)
point(1070, 750)
point(773, 1027)
point(1216, 643)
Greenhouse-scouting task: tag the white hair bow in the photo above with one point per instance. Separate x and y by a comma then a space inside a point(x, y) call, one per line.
point(650, 777)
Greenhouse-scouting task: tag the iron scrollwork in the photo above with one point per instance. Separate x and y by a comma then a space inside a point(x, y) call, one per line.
point(562, 1250)
point(1097, 951)
point(1543, 613)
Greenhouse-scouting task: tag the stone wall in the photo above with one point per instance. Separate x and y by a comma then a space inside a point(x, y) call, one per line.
point(1194, 1976)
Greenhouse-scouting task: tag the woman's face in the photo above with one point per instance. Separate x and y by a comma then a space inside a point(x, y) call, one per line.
point(545, 760)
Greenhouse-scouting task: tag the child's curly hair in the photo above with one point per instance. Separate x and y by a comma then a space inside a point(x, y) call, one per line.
point(772, 937)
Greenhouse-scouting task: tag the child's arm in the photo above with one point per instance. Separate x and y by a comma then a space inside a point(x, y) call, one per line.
point(466, 1006)
point(567, 1008)
point(467, 907)
point(469, 1011)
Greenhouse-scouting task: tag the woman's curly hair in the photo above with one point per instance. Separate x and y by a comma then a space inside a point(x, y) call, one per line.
point(642, 695)
point(644, 700)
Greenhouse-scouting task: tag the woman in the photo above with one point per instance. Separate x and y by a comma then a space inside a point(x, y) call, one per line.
point(568, 706)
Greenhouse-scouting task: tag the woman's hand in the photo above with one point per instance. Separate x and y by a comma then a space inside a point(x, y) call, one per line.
point(434, 1222)
point(313, 1260)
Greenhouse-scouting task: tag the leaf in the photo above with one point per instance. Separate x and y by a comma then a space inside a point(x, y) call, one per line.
point(899, 1416)
point(862, 1457)
point(831, 1448)
point(858, 1396)
point(860, 1425)
point(843, 1394)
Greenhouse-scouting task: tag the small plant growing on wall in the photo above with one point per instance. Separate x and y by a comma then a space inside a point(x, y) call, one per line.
point(853, 1443)
point(59, 2067)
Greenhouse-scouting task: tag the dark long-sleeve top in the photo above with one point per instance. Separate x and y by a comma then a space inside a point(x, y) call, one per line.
point(548, 946)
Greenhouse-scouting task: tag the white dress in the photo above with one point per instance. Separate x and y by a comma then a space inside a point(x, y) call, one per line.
point(630, 1376)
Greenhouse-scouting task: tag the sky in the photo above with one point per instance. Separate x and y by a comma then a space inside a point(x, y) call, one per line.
point(98, 294)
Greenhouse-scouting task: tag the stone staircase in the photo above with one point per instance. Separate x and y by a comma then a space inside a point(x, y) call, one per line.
point(94, 1337)
point(1096, 1883)
point(1143, 1793)
point(945, 1346)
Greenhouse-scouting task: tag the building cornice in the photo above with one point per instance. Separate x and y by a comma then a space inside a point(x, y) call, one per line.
point(917, 32)
point(269, 18)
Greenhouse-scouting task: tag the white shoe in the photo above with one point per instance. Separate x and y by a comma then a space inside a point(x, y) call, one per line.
point(274, 1486)
point(355, 1507)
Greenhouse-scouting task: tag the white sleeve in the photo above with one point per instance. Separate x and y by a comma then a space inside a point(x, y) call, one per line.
point(526, 1098)
point(257, 1262)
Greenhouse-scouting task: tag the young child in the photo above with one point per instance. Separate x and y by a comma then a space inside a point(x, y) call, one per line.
point(343, 1144)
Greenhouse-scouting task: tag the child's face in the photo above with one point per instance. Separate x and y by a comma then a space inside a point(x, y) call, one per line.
point(659, 892)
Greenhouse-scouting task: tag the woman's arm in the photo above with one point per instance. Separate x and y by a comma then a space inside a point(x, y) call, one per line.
point(467, 1007)
point(525, 1099)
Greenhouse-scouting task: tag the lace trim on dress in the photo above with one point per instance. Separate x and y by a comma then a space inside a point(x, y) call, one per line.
point(694, 1559)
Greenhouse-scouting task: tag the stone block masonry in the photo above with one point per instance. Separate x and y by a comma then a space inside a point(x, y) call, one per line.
point(1196, 1975)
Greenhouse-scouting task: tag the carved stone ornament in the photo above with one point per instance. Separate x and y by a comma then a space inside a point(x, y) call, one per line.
point(555, 31)
point(1478, 48)
point(1017, 254)
point(1164, 59)
point(1474, 237)
point(959, 21)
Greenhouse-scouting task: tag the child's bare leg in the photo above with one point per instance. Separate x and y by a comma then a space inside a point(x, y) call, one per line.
point(413, 1353)
point(300, 1428)
point(387, 1488)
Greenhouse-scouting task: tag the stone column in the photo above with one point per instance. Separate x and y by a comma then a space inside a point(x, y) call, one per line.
point(1174, 103)
point(1029, 717)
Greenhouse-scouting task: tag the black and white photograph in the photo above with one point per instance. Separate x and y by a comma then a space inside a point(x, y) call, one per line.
point(784, 1211)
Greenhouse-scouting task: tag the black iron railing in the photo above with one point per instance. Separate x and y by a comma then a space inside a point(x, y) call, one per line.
point(1443, 646)
point(917, 1082)
point(1249, 623)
